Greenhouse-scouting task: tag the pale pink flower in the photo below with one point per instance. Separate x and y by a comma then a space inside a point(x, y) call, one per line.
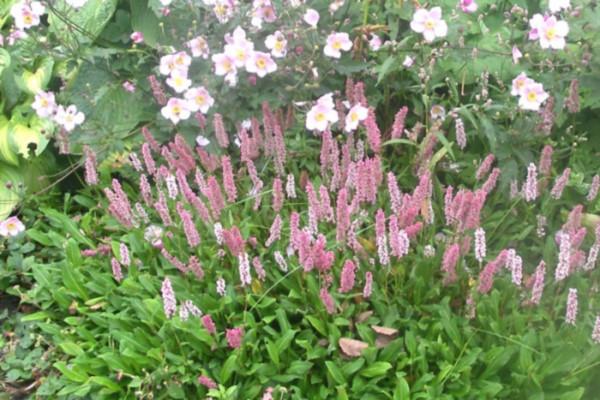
point(355, 115)
point(520, 83)
point(277, 43)
point(179, 81)
point(261, 64)
point(69, 118)
point(408, 62)
point(44, 104)
point(137, 37)
point(429, 23)
point(129, 86)
point(558, 5)
point(549, 31)
point(11, 227)
point(240, 49)
point(202, 141)
point(375, 42)
point(199, 47)
point(224, 65)
point(322, 114)
point(198, 99)
point(27, 14)
point(336, 43)
point(532, 97)
point(176, 110)
point(516, 54)
point(468, 6)
point(177, 61)
point(311, 17)
point(438, 112)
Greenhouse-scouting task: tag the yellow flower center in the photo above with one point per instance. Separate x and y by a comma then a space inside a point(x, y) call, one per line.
point(354, 116)
point(337, 45)
point(200, 100)
point(320, 117)
point(27, 19)
point(240, 54)
point(176, 110)
point(11, 226)
point(261, 63)
point(550, 33)
point(278, 45)
point(429, 24)
point(532, 96)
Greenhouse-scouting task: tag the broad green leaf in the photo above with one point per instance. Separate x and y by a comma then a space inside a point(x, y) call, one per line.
point(10, 193)
point(335, 372)
point(378, 368)
point(4, 60)
point(23, 137)
point(76, 27)
point(7, 154)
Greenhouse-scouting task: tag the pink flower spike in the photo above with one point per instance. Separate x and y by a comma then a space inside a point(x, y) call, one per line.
point(168, 296)
point(347, 277)
point(234, 337)
point(572, 305)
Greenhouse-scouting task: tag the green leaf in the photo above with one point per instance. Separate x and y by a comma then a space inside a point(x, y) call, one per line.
point(7, 154)
point(144, 20)
point(71, 373)
point(72, 278)
point(317, 324)
point(80, 26)
point(63, 221)
point(10, 180)
point(4, 60)
point(335, 372)
point(36, 316)
point(71, 348)
point(402, 391)
point(399, 141)
point(378, 368)
point(228, 368)
point(105, 382)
